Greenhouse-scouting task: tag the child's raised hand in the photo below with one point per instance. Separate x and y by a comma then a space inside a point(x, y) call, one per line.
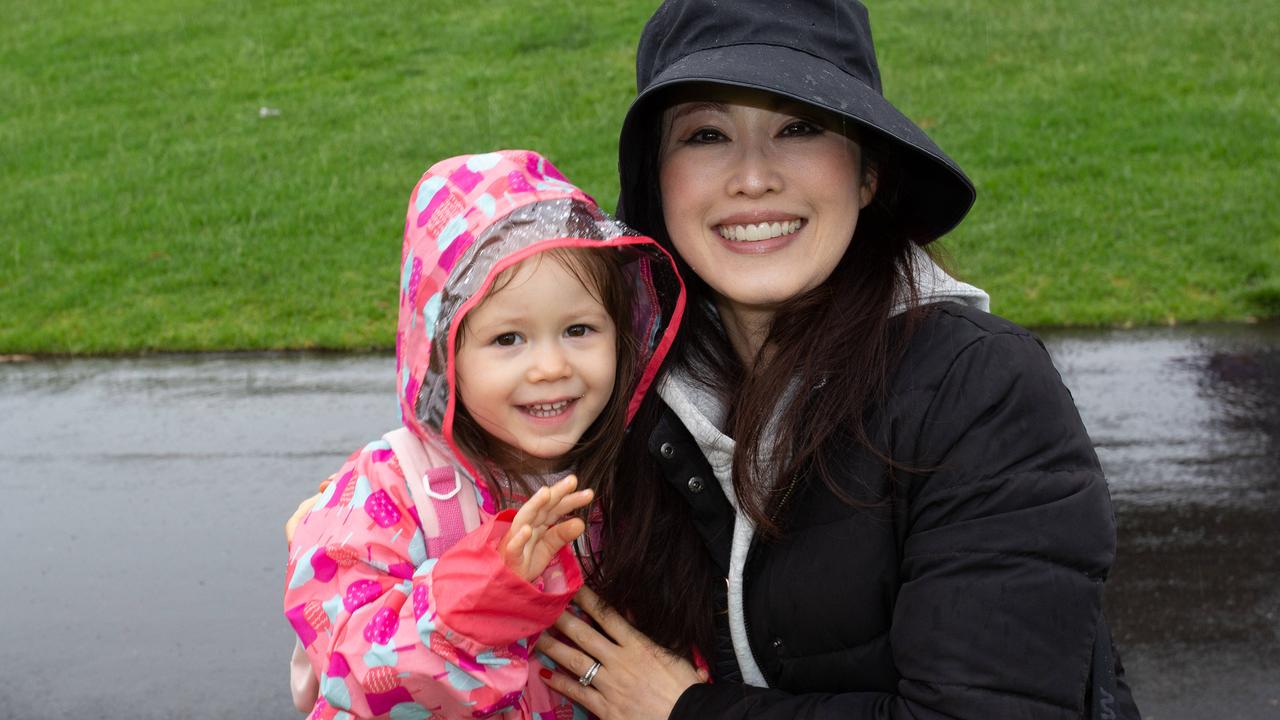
point(536, 534)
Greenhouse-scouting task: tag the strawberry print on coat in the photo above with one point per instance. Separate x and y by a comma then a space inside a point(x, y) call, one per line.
point(389, 630)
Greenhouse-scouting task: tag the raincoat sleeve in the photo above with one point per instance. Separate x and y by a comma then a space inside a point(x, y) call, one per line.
point(391, 631)
point(1007, 542)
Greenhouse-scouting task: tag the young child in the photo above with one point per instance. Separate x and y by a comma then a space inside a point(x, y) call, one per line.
point(531, 325)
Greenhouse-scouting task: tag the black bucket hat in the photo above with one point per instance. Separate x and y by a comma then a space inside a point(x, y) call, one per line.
point(816, 51)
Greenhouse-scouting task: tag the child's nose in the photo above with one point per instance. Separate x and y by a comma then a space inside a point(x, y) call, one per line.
point(549, 363)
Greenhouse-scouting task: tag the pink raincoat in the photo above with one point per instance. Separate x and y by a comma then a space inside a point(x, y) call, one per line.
point(389, 630)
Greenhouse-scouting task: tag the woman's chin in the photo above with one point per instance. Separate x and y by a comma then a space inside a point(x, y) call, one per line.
point(765, 294)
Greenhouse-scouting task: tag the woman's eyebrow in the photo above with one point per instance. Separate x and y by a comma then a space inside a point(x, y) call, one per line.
point(689, 108)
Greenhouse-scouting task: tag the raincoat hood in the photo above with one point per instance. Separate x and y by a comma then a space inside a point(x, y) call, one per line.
point(471, 217)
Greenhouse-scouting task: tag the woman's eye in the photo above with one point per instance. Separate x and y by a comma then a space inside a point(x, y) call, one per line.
point(577, 330)
point(705, 136)
point(507, 339)
point(801, 128)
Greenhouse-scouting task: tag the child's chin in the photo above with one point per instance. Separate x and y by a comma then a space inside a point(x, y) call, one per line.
point(543, 461)
point(549, 455)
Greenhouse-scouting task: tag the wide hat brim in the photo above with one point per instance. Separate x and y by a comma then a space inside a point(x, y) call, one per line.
point(934, 193)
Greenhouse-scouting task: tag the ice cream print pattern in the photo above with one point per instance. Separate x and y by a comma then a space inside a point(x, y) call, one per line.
point(394, 632)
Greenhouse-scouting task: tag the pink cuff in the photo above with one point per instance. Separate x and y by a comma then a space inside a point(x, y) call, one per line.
point(479, 597)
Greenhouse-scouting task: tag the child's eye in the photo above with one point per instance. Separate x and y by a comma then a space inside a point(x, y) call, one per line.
point(705, 136)
point(578, 330)
point(801, 128)
point(507, 339)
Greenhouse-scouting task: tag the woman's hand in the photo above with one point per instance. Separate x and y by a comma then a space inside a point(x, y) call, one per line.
point(535, 535)
point(636, 679)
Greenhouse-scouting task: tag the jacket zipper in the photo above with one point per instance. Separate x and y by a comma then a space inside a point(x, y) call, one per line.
point(751, 552)
point(785, 497)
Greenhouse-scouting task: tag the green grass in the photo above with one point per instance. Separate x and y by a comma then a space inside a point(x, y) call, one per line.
point(1126, 153)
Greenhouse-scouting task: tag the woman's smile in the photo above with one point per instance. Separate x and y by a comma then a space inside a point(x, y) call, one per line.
point(761, 233)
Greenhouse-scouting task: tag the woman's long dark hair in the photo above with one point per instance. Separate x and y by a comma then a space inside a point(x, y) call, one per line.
point(836, 345)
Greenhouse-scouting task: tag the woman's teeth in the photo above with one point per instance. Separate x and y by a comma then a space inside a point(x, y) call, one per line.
point(758, 232)
point(547, 409)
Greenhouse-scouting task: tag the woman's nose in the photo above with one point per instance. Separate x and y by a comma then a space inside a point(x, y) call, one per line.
point(753, 174)
point(549, 363)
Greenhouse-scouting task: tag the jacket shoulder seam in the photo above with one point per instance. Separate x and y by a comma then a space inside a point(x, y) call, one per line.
point(962, 312)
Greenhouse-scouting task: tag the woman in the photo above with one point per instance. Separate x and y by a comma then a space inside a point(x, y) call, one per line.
point(860, 495)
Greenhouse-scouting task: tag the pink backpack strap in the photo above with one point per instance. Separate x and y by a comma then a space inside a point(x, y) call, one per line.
point(444, 497)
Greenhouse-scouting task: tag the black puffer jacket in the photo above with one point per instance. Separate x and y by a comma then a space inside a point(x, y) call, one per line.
point(974, 591)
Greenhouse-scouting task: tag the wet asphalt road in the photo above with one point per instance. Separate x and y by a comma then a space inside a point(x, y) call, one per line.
point(143, 498)
point(1187, 425)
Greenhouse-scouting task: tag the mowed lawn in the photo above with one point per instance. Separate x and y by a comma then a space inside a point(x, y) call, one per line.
point(226, 174)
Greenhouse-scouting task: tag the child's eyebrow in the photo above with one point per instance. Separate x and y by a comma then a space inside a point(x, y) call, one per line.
point(494, 319)
point(589, 309)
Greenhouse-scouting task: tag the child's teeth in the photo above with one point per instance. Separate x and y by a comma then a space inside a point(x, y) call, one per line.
point(547, 409)
point(758, 231)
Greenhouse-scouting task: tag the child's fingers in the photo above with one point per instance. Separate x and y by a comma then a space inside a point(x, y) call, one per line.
point(541, 506)
point(572, 502)
point(548, 505)
point(515, 548)
point(544, 547)
point(567, 506)
point(569, 482)
point(530, 511)
point(566, 532)
point(557, 492)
